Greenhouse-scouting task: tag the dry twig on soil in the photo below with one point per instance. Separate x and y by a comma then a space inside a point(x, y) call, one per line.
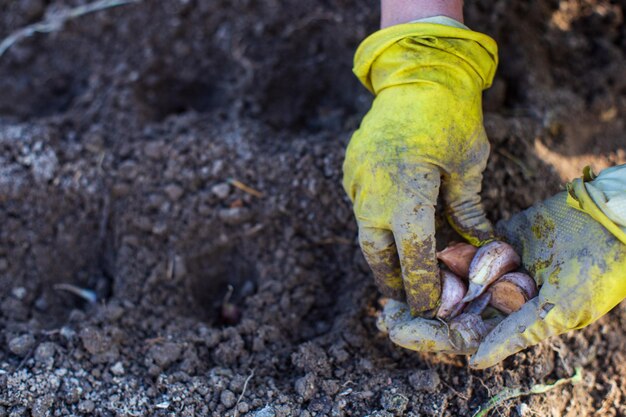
point(245, 188)
point(243, 392)
point(55, 21)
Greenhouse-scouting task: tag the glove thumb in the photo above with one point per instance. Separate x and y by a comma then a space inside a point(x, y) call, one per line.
point(522, 329)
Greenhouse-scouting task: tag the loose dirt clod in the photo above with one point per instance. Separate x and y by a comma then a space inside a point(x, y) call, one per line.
point(21, 345)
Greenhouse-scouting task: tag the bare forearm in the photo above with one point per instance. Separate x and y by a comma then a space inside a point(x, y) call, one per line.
point(394, 12)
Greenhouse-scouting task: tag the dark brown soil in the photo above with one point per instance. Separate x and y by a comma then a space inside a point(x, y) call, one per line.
point(122, 136)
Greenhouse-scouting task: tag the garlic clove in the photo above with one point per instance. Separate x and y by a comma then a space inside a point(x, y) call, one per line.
point(452, 292)
point(478, 305)
point(474, 291)
point(458, 309)
point(458, 257)
point(524, 281)
point(512, 291)
point(467, 331)
point(491, 262)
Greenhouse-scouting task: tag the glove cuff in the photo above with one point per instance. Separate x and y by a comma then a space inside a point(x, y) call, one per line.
point(578, 197)
point(458, 47)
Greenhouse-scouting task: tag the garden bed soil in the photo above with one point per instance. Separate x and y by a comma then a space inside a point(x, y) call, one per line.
point(175, 156)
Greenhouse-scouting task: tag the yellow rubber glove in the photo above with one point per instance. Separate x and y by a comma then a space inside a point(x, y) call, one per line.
point(417, 333)
point(578, 257)
point(424, 130)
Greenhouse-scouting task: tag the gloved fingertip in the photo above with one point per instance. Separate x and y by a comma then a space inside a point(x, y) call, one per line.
point(422, 335)
point(480, 360)
point(393, 313)
point(515, 333)
point(381, 325)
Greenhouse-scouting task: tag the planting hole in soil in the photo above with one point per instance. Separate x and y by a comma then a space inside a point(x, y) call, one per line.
point(218, 283)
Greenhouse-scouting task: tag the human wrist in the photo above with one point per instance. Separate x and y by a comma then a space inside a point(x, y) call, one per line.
point(394, 12)
point(442, 20)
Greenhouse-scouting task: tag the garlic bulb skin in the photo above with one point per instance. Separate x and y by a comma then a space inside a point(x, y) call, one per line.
point(458, 257)
point(491, 262)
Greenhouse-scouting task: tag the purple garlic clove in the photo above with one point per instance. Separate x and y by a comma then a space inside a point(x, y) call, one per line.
point(453, 290)
point(491, 262)
point(478, 304)
point(458, 257)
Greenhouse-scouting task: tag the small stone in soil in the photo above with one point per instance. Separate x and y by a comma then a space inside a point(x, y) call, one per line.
point(174, 192)
point(165, 354)
point(94, 340)
point(117, 369)
point(21, 345)
point(221, 190)
point(45, 351)
point(18, 292)
point(67, 333)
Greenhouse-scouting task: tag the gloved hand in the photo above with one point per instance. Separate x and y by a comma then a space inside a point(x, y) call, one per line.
point(576, 253)
point(424, 130)
point(417, 333)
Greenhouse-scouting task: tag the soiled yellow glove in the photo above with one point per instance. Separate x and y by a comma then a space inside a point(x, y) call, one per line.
point(578, 255)
point(417, 333)
point(424, 130)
